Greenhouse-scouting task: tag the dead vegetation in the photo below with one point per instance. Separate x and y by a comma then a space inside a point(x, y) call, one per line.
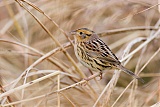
point(37, 61)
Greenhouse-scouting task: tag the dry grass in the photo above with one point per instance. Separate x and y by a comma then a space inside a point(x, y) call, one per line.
point(37, 61)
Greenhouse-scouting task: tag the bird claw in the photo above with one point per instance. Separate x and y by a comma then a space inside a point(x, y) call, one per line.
point(100, 76)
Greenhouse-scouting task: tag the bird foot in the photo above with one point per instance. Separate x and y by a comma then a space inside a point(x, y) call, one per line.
point(100, 76)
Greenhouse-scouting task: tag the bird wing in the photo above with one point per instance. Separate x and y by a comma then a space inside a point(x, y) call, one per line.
point(109, 60)
point(103, 53)
point(106, 59)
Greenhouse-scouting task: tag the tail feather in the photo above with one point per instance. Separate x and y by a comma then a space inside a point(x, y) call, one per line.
point(130, 73)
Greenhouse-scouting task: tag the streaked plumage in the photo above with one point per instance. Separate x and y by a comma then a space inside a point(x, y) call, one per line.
point(93, 53)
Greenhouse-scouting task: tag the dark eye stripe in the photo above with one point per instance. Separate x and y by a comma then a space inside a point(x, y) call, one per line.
point(88, 34)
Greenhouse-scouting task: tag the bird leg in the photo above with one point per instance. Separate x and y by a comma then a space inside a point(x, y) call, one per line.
point(100, 76)
point(90, 71)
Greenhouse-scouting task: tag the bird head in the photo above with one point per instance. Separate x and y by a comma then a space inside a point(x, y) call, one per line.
point(83, 34)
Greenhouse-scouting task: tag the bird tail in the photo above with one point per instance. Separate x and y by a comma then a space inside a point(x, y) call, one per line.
point(130, 73)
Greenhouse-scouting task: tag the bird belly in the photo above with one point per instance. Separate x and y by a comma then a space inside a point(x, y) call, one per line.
point(84, 61)
point(89, 62)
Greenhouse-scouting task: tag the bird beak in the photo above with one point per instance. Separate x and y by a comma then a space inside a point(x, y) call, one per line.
point(73, 32)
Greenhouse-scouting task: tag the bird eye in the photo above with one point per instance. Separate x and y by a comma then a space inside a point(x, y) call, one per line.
point(80, 33)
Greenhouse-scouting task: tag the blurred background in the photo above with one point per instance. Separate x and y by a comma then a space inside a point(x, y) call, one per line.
point(19, 32)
